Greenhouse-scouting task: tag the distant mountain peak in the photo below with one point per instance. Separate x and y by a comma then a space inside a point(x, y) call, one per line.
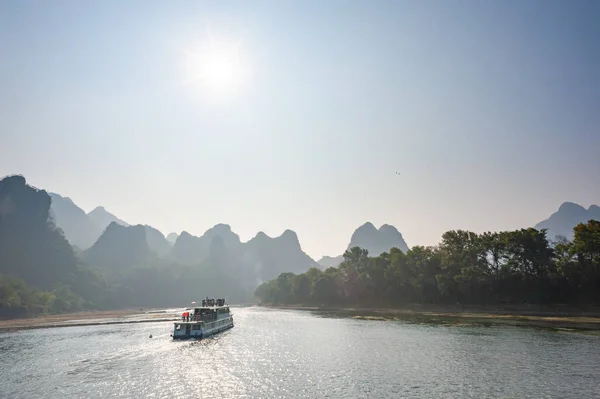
point(290, 237)
point(377, 241)
point(172, 237)
point(66, 199)
point(289, 233)
point(184, 237)
point(374, 240)
point(222, 226)
point(330, 261)
point(17, 180)
point(113, 226)
point(571, 207)
point(261, 235)
point(224, 231)
point(77, 227)
point(157, 241)
point(367, 226)
point(102, 218)
point(119, 246)
point(388, 227)
point(218, 229)
point(569, 215)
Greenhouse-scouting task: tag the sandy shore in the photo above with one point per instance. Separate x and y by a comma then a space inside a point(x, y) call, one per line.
point(89, 318)
point(524, 317)
point(580, 321)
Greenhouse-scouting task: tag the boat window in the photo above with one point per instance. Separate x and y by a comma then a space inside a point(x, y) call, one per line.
point(178, 327)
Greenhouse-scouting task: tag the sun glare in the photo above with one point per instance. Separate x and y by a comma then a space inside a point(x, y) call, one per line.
point(217, 68)
point(220, 71)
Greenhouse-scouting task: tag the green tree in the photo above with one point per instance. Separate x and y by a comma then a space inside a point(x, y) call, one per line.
point(492, 268)
point(301, 288)
point(529, 252)
point(586, 244)
point(324, 289)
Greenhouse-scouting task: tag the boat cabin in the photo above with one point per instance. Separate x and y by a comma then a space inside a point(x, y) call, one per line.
point(210, 310)
point(196, 322)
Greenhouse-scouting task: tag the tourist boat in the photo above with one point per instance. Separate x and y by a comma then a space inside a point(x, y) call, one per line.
point(200, 322)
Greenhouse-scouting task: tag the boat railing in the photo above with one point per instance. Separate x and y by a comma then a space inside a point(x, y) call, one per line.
point(213, 302)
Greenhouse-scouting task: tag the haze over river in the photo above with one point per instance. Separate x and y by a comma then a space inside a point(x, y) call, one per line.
point(298, 354)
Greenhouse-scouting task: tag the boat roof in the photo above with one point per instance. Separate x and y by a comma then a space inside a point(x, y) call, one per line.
point(208, 307)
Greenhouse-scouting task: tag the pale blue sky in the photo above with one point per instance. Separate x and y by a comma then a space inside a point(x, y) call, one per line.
point(490, 111)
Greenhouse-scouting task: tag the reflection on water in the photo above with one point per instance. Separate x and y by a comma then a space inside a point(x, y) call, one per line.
point(292, 354)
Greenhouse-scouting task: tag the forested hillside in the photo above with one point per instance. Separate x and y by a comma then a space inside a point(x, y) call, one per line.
point(40, 273)
point(512, 267)
point(39, 270)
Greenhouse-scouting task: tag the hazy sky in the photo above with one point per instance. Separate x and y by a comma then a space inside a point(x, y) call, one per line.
point(489, 110)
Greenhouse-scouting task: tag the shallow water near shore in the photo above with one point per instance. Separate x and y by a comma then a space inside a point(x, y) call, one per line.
point(273, 353)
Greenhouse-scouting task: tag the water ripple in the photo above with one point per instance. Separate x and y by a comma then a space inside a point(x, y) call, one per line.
point(291, 354)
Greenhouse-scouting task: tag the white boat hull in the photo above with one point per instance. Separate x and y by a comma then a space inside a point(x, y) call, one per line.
point(199, 330)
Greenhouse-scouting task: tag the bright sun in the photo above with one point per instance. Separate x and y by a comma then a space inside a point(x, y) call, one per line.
point(217, 68)
point(220, 71)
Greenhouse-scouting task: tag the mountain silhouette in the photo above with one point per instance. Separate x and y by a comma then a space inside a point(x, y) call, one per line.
point(125, 265)
point(569, 215)
point(135, 265)
point(374, 240)
point(110, 243)
point(189, 249)
point(77, 227)
point(30, 246)
point(118, 248)
point(80, 229)
point(330, 261)
point(172, 237)
point(83, 230)
point(157, 242)
point(260, 258)
point(102, 218)
point(39, 270)
point(377, 241)
point(268, 257)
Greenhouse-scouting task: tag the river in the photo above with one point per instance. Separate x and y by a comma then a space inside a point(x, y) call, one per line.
point(297, 354)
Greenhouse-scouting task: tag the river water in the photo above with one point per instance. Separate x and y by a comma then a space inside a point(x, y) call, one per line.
point(295, 354)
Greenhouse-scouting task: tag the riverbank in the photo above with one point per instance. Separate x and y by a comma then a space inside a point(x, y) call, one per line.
point(90, 318)
point(557, 319)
